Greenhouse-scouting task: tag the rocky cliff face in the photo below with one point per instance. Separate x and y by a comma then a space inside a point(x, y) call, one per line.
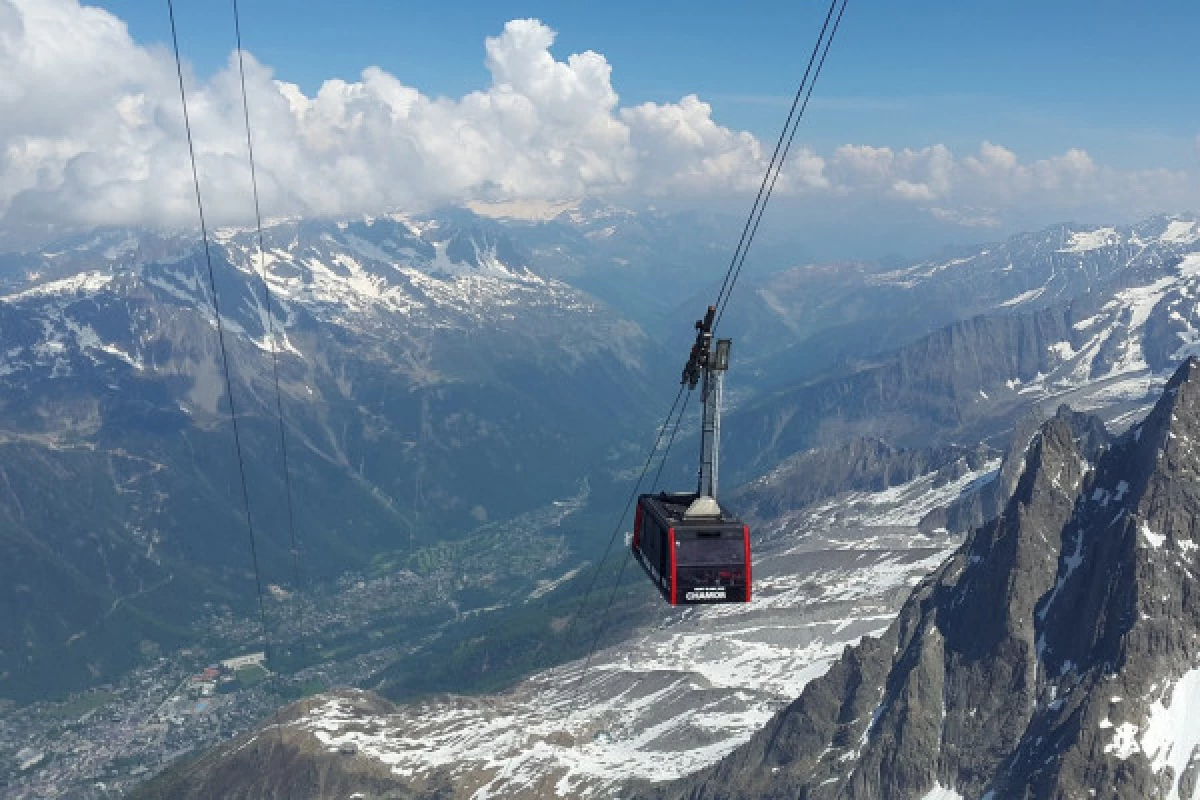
point(1056, 654)
point(973, 509)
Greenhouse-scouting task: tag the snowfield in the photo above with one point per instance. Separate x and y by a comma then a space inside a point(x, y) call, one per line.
point(685, 692)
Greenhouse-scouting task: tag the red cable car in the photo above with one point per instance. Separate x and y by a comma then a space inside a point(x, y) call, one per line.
point(692, 550)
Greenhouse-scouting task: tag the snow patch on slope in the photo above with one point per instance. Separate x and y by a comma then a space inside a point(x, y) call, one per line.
point(1180, 232)
point(1024, 297)
point(1189, 267)
point(939, 792)
point(1083, 241)
point(83, 283)
point(903, 505)
point(1172, 736)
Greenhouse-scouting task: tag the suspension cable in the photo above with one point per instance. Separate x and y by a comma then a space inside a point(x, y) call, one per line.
point(670, 443)
point(624, 512)
point(749, 230)
point(212, 283)
point(759, 199)
point(604, 619)
point(666, 423)
point(267, 296)
point(778, 168)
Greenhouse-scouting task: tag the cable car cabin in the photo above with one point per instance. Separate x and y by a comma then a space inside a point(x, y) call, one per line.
point(692, 550)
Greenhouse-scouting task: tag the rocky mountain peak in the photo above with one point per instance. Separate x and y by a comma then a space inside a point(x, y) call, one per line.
point(1055, 653)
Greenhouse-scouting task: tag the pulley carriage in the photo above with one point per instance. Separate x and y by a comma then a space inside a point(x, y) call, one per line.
point(689, 546)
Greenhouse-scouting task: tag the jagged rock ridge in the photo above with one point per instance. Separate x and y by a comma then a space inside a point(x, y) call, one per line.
point(973, 509)
point(1055, 654)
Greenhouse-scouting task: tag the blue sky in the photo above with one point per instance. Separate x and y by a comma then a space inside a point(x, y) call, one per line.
point(1115, 78)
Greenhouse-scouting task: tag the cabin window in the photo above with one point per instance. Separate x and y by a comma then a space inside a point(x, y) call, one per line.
point(709, 552)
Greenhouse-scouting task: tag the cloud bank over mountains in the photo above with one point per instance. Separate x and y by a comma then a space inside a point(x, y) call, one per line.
point(91, 132)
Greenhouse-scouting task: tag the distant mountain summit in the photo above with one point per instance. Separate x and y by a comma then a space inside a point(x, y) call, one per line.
point(1056, 654)
point(1096, 318)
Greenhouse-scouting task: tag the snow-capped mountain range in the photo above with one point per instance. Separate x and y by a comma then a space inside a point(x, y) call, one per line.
point(426, 372)
point(811, 317)
point(457, 355)
point(361, 276)
point(1096, 317)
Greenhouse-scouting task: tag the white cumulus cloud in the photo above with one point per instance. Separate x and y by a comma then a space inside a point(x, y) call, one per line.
point(91, 132)
point(988, 187)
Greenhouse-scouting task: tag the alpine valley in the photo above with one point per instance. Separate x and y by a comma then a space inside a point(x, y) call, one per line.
point(969, 480)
